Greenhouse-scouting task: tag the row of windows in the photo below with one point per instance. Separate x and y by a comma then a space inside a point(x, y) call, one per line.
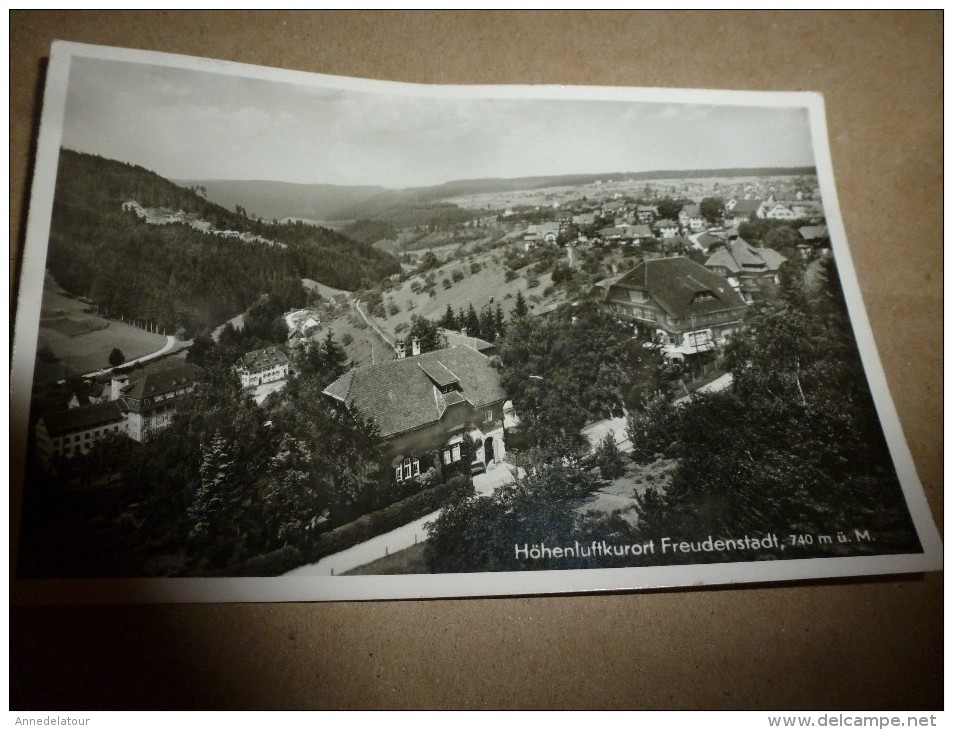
point(410, 467)
point(86, 436)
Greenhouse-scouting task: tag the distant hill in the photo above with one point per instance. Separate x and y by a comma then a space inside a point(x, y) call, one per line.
point(420, 205)
point(176, 275)
point(273, 200)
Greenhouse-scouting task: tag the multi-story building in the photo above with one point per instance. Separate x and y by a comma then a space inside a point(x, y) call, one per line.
point(683, 306)
point(137, 404)
point(263, 366)
point(151, 401)
point(74, 431)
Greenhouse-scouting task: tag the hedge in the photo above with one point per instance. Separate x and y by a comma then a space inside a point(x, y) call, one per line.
point(390, 518)
point(353, 533)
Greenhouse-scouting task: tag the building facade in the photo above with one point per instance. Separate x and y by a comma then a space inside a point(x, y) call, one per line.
point(677, 302)
point(74, 431)
point(425, 406)
point(752, 271)
point(263, 366)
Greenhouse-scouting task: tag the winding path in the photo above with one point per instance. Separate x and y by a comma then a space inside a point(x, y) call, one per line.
point(170, 342)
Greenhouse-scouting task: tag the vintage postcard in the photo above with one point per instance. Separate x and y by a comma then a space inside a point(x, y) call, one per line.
point(283, 336)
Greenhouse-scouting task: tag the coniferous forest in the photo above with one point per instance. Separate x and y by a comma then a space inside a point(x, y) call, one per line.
point(173, 275)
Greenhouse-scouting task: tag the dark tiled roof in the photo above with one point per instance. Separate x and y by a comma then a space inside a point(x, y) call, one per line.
point(813, 233)
point(746, 207)
point(455, 338)
point(676, 283)
point(706, 240)
point(739, 255)
point(400, 396)
point(666, 223)
point(264, 359)
point(83, 418)
point(437, 372)
point(159, 383)
point(639, 231)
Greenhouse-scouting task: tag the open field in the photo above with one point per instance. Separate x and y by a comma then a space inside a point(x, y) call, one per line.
point(83, 341)
point(323, 289)
point(473, 288)
point(364, 346)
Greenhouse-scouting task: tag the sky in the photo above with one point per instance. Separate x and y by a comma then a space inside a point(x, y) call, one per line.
point(188, 124)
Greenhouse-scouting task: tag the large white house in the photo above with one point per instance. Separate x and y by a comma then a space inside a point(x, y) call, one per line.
point(263, 366)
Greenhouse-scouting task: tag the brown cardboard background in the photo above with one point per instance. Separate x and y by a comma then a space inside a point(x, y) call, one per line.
point(873, 643)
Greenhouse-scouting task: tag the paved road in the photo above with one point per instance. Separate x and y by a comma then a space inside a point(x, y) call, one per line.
point(367, 552)
point(714, 386)
point(597, 431)
point(399, 539)
point(170, 343)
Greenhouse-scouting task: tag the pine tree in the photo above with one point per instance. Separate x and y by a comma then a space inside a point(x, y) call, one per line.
point(472, 322)
point(449, 320)
point(215, 507)
point(487, 324)
point(520, 310)
point(334, 361)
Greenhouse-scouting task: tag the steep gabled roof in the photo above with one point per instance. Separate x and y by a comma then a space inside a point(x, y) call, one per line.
point(402, 395)
point(682, 287)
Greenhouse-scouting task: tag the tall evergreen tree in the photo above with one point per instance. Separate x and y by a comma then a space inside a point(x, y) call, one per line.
point(488, 324)
point(472, 322)
point(334, 359)
point(449, 319)
point(520, 310)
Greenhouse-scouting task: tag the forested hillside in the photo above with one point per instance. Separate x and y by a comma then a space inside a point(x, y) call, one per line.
point(174, 275)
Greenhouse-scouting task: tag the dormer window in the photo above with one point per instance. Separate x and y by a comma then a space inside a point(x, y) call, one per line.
point(440, 376)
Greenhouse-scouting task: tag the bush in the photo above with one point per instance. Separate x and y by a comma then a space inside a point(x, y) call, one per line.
point(532, 282)
point(458, 275)
point(347, 339)
point(609, 459)
point(392, 309)
point(402, 327)
point(447, 284)
point(475, 268)
point(510, 275)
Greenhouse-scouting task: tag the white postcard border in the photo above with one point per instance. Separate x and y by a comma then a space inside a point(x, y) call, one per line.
point(447, 585)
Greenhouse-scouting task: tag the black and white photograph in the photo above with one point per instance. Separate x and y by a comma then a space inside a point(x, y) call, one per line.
point(285, 336)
